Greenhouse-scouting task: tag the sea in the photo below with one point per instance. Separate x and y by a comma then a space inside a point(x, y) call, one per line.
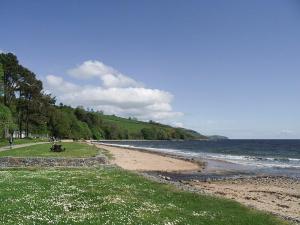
point(263, 157)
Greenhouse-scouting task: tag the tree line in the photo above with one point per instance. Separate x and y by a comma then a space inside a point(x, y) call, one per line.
point(26, 109)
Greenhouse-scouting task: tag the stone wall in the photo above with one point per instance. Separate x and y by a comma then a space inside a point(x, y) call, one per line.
point(6, 162)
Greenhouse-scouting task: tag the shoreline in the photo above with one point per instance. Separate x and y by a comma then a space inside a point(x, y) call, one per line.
point(278, 195)
point(199, 162)
point(218, 166)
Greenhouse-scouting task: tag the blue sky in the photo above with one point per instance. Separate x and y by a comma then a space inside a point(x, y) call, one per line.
point(219, 67)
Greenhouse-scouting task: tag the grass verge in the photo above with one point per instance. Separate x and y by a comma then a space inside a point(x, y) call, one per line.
point(73, 149)
point(4, 142)
point(111, 196)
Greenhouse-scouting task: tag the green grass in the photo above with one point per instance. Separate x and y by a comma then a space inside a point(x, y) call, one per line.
point(4, 142)
point(73, 149)
point(111, 196)
point(130, 125)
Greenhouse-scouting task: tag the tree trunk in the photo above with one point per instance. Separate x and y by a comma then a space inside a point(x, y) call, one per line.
point(27, 120)
point(20, 124)
point(20, 116)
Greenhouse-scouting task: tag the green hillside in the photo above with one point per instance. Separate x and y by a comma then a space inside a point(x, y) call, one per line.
point(25, 108)
point(134, 126)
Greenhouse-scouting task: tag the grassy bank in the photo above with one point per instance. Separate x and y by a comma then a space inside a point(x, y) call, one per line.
point(4, 142)
point(110, 196)
point(73, 149)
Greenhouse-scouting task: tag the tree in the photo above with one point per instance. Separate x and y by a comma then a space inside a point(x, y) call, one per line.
point(97, 133)
point(23, 94)
point(10, 66)
point(179, 133)
point(149, 133)
point(6, 121)
point(112, 131)
point(1, 83)
point(79, 129)
point(162, 134)
point(60, 124)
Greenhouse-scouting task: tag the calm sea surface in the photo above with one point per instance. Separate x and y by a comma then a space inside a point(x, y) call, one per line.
point(280, 156)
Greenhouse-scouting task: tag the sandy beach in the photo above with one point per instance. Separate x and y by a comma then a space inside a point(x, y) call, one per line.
point(277, 195)
point(143, 161)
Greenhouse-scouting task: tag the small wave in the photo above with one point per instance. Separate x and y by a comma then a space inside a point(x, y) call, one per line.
point(293, 159)
point(258, 161)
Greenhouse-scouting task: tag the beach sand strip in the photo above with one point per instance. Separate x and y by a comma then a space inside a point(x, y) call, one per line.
point(142, 161)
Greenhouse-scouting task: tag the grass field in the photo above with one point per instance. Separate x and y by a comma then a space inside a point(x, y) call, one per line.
point(110, 196)
point(4, 142)
point(73, 149)
point(130, 125)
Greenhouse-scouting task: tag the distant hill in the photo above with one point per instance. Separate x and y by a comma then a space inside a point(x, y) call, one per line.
point(195, 134)
point(217, 137)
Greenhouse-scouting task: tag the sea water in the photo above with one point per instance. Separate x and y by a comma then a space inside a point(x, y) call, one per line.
point(280, 157)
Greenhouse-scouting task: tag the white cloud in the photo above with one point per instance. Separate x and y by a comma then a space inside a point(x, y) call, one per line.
point(109, 76)
point(119, 94)
point(59, 85)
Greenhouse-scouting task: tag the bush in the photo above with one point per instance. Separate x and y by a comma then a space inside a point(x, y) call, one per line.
point(57, 148)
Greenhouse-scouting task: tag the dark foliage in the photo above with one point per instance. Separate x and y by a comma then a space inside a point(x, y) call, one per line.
point(57, 148)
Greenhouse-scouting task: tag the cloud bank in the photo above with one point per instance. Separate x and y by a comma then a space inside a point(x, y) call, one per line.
point(109, 76)
point(116, 93)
